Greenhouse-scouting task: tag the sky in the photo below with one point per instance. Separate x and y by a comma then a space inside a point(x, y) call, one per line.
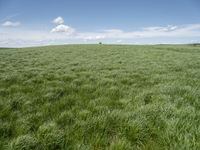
point(46, 22)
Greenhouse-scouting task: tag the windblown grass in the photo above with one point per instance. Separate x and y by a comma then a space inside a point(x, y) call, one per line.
point(100, 97)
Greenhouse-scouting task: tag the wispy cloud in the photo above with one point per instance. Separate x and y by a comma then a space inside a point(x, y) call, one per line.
point(9, 17)
point(11, 24)
point(184, 31)
point(162, 29)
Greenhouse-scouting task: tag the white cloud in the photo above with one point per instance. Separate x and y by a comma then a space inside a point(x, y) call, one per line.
point(11, 24)
point(63, 33)
point(63, 29)
point(58, 20)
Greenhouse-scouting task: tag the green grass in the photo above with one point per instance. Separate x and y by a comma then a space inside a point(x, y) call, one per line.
point(96, 97)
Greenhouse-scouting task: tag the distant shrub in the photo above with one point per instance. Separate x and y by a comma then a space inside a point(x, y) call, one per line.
point(25, 142)
point(195, 44)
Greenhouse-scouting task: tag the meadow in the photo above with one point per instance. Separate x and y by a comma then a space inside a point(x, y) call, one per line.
point(100, 97)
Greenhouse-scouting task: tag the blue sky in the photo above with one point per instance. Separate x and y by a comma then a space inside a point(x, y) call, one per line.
point(47, 22)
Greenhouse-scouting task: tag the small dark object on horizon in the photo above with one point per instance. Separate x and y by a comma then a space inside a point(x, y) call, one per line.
point(195, 44)
point(100, 43)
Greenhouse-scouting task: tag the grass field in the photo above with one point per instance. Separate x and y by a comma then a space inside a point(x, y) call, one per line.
point(96, 97)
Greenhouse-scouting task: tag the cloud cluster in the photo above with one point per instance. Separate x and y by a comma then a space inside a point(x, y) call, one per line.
point(62, 33)
point(11, 24)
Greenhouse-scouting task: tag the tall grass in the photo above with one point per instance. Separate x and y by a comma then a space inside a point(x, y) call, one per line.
point(100, 97)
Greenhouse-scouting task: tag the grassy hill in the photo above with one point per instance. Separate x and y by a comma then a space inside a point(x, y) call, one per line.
point(96, 97)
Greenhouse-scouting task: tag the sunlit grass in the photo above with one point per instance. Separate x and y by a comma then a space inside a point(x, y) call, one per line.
point(100, 97)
